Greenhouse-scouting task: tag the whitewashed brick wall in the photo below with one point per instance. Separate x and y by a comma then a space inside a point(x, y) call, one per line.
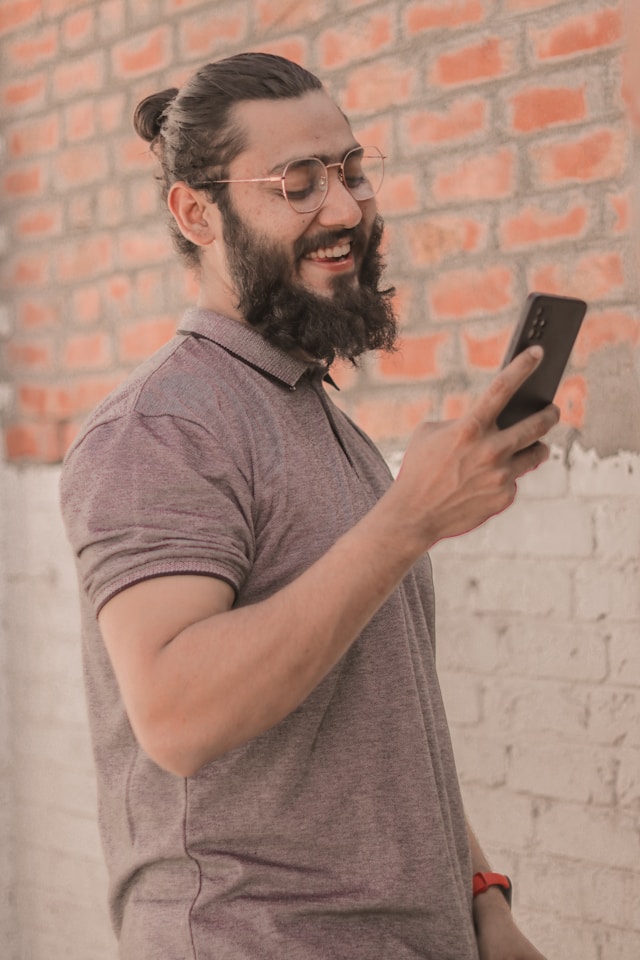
point(539, 652)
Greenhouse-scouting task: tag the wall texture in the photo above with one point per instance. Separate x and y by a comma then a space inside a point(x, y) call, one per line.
point(510, 169)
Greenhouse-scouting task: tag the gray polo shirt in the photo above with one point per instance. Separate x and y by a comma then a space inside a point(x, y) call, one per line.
point(340, 832)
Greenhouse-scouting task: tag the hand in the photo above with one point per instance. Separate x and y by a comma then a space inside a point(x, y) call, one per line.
point(454, 476)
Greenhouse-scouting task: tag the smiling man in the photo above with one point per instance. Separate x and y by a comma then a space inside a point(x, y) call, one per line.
point(274, 768)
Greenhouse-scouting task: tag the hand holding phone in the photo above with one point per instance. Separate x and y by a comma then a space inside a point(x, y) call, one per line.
point(552, 322)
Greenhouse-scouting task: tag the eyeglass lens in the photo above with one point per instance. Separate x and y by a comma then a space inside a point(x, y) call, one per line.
point(306, 181)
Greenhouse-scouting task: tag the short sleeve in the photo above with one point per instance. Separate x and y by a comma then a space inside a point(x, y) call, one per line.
point(150, 496)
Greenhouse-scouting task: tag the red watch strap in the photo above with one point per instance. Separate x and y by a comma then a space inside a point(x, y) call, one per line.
point(482, 882)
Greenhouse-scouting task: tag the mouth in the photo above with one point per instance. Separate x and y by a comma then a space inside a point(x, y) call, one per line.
point(337, 257)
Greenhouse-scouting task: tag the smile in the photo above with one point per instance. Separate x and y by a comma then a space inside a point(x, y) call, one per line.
point(339, 252)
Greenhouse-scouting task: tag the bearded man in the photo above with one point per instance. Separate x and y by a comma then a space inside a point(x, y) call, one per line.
point(274, 767)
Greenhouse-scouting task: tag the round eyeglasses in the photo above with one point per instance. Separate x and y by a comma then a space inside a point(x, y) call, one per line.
point(305, 182)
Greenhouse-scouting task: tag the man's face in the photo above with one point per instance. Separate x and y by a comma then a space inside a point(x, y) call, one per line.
point(307, 281)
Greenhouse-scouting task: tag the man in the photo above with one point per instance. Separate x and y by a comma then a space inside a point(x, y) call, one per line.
point(274, 767)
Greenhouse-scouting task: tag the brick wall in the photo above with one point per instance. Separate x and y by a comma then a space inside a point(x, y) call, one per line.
point(510, 168)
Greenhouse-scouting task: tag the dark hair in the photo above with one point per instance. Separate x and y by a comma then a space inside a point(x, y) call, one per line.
point(192, 130)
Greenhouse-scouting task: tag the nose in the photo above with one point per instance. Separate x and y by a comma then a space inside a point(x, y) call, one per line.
point(340, 208)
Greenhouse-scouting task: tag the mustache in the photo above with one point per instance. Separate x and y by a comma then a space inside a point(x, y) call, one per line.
point(327, 238)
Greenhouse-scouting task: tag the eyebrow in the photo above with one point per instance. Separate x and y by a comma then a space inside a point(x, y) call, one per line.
point(324, 157)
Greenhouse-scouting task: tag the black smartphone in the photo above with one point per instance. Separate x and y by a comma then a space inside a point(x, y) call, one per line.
point(554, 323)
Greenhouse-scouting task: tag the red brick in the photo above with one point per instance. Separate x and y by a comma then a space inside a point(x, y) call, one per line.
point(30, 355)
point(87, 352)
point(86, 305)
point(149, 291)
point(35, 442)
point(80, 120)
point(603, 329)
point(485, 351)
point(145, 197)
point(84, 258)
point(56, 8)
point(34, 49)
point(34, 137)
point(133, 154)
point(621, 206)
point(417, 358)
point(24, 181)
point(532, 226)
point(282, 14)
point(118, 290)
point(62, 402)
point(143, 54)
point(571, 398)
point(111, 17)
point(208, 32)
point(391, 417)
point(523, 6)
point(542, 107)
point(593, 276)
point(80, 210)
point(378, 86)
point(355, 41)
point(110, 112)
point(82, 76)
point(435, 238)
point(456, 405)
point(40, 223)
point(473, 63)
point(141, 339)
point(78, 166)
point(459, 121)
point(27, 270)
point(15, 14)
point(452, 15)
point(460, 294)
point(78, 29)
point(483, 176)
point(399, 194)
point(139, 248)
point(376, 133)
point(291, 48)
point(111, 205)
point(596, 155)
point(578, 34)
point(22, 95)
point(34, 314)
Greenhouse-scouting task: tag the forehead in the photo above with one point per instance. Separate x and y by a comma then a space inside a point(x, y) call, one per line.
point(281, 130)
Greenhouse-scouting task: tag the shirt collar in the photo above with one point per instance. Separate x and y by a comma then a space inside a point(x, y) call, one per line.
point(247, 344)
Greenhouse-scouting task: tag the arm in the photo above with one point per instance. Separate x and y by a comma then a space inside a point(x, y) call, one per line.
point(199, 678)
point(498, 936)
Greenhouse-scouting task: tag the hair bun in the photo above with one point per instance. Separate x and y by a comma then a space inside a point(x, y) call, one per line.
point(147, 120)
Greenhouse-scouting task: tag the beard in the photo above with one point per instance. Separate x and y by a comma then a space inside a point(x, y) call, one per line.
point(353, 318)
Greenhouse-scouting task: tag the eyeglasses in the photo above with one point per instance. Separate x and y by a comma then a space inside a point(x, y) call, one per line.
point(305, 182)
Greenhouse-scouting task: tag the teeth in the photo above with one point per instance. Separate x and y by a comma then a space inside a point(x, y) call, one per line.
point(331, 253)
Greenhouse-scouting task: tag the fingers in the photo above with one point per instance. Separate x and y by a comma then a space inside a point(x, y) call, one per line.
point(530, 458)
point(526, 432)
point(491, 403)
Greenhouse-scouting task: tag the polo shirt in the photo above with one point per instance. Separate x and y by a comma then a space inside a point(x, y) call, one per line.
point(340, 831)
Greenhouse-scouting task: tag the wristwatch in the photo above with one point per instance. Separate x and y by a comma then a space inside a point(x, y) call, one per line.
point(482, 882)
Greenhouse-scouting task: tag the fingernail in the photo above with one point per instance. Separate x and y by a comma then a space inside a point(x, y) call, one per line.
point(536, 351)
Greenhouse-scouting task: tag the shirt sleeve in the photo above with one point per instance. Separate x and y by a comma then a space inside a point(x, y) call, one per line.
point(150, 496)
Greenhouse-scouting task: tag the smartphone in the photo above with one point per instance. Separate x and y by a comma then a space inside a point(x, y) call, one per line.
point(554, 323)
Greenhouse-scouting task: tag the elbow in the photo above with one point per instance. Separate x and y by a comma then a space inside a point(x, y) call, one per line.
point(173, 747)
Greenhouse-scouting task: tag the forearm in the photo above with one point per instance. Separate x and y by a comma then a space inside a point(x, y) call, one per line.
point(256, 664)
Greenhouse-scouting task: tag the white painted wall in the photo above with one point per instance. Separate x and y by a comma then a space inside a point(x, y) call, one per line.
point(539, 652)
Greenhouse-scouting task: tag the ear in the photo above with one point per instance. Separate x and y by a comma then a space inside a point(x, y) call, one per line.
point(197, 217)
